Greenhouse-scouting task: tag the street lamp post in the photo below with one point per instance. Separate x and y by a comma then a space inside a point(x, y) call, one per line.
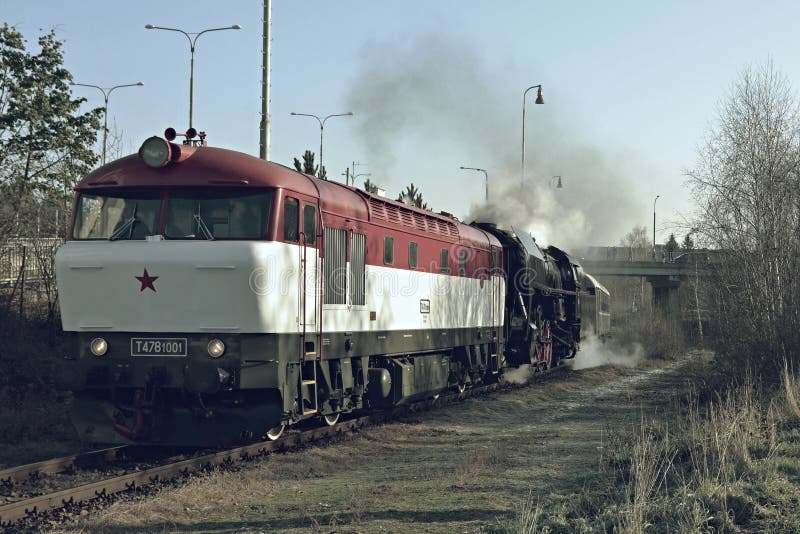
point(106, 93)
point(192, 43)
point(654, 225)
point(348, 175)
point(539, 100)
point(354, 169)
point(485, 175)
point(322, 127)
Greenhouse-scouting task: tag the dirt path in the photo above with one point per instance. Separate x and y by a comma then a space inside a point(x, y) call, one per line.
point(465, 468)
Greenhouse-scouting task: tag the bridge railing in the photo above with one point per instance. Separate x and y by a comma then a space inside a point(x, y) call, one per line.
point(660, 254)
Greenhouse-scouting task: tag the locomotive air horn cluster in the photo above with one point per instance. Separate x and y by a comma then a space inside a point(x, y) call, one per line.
point(189, 136)
point(159, 152)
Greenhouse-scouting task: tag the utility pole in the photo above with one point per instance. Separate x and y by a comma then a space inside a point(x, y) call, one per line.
point(265, 82)
point(654, 225)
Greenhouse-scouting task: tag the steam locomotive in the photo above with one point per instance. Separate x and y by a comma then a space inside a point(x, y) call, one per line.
point(218, 298)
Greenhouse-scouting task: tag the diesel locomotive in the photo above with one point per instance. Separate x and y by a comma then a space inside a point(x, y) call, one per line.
point(217, 298)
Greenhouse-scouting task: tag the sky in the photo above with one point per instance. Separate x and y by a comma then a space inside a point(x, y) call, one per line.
point(631, 90)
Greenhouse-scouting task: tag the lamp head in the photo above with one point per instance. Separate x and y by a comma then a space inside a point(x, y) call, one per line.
point(539, 97)
point(149, 26)
point(236, 27)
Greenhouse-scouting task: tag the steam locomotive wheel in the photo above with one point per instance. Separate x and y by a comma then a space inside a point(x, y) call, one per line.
point(331, 420)
point(275, 432)
point(536, 354)
point(541, 348)
point(547, 347)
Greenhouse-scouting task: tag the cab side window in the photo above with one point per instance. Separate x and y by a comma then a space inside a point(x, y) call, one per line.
point(444, 263)
point(310, 223)
point(388, 250)
point(412, 255)
point(291, 216)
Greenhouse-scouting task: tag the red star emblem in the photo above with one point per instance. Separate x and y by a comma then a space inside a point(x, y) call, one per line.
point(147, 281)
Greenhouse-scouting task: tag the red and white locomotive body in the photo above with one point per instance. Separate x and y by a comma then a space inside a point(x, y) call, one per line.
point(216, 296)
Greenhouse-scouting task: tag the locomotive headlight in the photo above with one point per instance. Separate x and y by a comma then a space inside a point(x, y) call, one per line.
point(155, 152)
point(98, 346)
point(216, 348)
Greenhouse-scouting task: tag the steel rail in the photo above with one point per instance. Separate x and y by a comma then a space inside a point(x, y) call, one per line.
point(106, 489)
point(58, 465)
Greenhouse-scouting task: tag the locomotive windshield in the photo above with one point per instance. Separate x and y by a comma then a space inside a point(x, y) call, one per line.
point(217, 213)
point(191, 213)
point(118, 214)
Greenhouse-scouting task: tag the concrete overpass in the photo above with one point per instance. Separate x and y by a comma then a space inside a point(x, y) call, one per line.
point(650, 268)
point(665, 271)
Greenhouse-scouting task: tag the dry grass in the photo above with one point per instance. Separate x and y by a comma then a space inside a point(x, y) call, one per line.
point(528, 516)
point(727, 465)
point(479, 463)
point(525, 461)
point(460, 469)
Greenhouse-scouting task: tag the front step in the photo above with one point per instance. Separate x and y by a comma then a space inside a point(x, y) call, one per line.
point(308, 387)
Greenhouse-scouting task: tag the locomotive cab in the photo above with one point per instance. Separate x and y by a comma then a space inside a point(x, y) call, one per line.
point(171, 281)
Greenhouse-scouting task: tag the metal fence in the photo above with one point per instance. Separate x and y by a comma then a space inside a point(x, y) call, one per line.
point(27, 259)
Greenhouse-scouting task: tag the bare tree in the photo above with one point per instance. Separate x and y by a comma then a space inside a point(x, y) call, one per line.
point(748, 189)
point(639, 245)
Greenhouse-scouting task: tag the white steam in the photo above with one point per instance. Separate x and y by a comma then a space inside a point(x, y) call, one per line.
point(594, 352)
point(538, 211)
point(519, 375)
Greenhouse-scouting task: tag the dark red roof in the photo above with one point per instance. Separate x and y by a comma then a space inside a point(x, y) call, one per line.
point(207, 166)
point(219, 167)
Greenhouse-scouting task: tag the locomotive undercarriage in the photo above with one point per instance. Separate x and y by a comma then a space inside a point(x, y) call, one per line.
point(538, 338)
point(261, 384)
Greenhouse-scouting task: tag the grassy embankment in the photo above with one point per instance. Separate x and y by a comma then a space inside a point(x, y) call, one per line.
point(726, 460)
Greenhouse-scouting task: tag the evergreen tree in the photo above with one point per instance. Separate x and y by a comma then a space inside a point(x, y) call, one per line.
point(308, 167)
point(688, 243)
point(412, 197)
point(672, 244)
point(369, 187)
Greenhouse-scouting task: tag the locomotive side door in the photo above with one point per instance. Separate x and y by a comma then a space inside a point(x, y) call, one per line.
point(309, 268)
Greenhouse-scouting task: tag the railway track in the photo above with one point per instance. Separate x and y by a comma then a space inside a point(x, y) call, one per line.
point(14, 475)
point(27, 512)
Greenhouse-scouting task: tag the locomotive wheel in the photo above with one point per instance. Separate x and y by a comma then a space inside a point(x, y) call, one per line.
point(548, 345)
point(536, 354)
point(332, 419)
point(275, 432)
